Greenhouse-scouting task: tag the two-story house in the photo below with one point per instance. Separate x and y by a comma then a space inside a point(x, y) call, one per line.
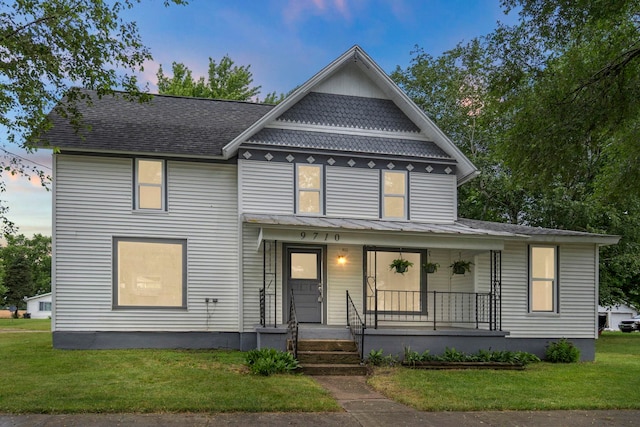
point(187, 222)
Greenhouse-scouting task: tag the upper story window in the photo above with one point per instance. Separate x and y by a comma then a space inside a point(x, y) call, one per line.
point(394, 195)
point(309, 189)
point(150, 184)
point(543, 279)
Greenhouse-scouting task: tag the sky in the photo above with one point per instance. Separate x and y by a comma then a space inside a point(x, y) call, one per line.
point(285, 42)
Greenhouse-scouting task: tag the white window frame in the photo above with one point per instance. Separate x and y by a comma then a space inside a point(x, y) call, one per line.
point(115, 272)
point(405, 196)
point(555, 294)
point(42, 306)
point(162, 185)
point(319, 190)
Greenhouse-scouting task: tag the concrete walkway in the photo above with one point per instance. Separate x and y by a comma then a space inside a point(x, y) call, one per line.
point(363, 407)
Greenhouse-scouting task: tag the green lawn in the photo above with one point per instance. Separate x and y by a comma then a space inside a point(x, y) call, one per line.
point(25, 324)
point(38, 379)
point(606, 383)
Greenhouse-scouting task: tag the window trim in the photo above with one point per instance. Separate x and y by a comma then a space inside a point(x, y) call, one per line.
point(42, 305)
point(137, 185)
point(114, 272)
point(424, 290)
point(320, 190)
point(555, 293)
point(405, 196)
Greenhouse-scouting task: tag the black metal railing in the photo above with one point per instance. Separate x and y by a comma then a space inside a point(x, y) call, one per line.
point(292, 328)
point(432, 308)
point(356, 325)
point(263, 308)
point(267, 309)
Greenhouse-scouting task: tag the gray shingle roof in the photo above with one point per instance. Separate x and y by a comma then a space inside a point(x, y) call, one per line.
point(349, 111)
point(165, 125)
point(350, 143)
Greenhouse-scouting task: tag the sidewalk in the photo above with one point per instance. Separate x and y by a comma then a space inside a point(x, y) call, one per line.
point(363, 407)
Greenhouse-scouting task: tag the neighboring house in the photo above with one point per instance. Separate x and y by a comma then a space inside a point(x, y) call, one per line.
point(39, 307)
point(615, 314)
point(190, 223)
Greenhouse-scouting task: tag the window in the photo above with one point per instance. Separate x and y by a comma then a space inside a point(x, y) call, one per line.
point(309, 188)
point(394, 195)
point(150, 184)
point(543, 283)
point(44, 306)
point(404, 293)
point(149, 273)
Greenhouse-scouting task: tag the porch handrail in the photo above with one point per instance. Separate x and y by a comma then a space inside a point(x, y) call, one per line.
point(356, 325)
point(292, 327)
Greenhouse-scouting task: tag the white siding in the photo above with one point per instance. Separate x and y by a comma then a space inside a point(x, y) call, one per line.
point(350, 80)
point(578, 304)
point(352, 192)
point(341, 278)
point(94, 204)
point(433, 197)
point(266, 187)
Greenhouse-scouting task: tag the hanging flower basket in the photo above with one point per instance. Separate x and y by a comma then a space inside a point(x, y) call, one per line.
point(400, 265)
point(431, 267)
point(461, 266)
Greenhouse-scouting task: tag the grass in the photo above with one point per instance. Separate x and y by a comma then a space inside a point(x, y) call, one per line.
point(40, 379)
point(603, 384)
point(25, 324)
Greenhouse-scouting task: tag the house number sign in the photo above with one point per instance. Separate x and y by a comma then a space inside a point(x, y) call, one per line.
point(319, 236)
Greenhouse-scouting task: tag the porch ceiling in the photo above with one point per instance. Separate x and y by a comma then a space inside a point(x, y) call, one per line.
point(310, 230)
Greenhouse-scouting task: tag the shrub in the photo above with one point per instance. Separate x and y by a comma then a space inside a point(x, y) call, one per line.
point(267, 361)
point(562, 351)
point(377, 358)
point(452, 355)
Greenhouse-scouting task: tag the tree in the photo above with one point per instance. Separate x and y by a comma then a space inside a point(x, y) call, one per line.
point(48, 45)
point(549, 111)
point(27, 267)
point(224, 81)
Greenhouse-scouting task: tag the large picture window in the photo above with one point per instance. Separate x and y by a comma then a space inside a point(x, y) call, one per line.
point(392, 292)
point(394, 195)
point(149, 273)
point(543, 282)
point(309, 189)
point(150, 184)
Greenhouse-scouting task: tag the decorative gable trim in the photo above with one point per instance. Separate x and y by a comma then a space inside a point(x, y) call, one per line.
point(465, 169)
point(282, 155)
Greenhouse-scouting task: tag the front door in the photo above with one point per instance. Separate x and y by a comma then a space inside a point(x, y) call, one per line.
point(304, 278)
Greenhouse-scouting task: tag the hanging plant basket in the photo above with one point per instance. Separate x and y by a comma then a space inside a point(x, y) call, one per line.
point(431, 267)
point(461, 266)
point(400, 265)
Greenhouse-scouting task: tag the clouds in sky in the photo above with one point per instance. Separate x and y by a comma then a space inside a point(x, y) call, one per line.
point(285, 42)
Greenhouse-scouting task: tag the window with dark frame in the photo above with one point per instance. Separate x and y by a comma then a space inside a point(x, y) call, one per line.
point(543, 279)
point(150, 182)
point(149, 273)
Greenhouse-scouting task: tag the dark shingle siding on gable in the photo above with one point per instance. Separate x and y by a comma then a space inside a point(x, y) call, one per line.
point(350, 143)
point(165, 125)
point(349, 112)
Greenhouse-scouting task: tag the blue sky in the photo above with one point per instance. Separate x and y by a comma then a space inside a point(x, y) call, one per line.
point(285, 42)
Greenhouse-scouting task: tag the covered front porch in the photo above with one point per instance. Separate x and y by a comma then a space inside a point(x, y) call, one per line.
point(344, 275)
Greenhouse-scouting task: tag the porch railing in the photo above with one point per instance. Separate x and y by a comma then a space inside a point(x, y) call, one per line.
point(432, 308)
point(356, 325)
point(292, 328)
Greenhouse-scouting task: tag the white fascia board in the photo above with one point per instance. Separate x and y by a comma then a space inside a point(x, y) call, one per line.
point(604, 240)
point(138, 153)
point(466, 169)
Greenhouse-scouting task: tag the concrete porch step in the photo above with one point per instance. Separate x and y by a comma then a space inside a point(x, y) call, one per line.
point(333, 369)
point(327, 357)
point(326, 345)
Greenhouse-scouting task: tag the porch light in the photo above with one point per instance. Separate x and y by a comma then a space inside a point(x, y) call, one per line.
point(342, 259)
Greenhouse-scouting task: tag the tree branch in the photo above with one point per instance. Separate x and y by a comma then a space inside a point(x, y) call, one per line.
point(22, 28)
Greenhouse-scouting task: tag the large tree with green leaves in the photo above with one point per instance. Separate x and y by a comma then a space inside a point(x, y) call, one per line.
point(47, 46)
point(224, 81)
point(548, 109)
